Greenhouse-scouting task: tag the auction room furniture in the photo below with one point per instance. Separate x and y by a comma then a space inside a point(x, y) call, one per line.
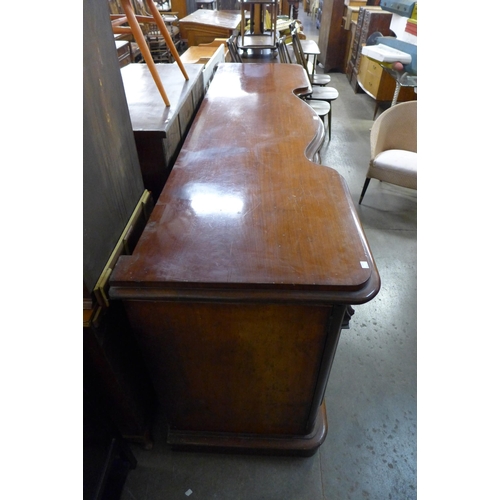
point(332, 38)
point(322, 108)
point(133, 20)
point(213, 56)
point(393, 147)
point(334, 20)
point(302, 50)
point(241, 280)
point(320, 92)
point(233, 49)
point(381, 84)
point(369, 22)
point(403, 80)
point(194, 54)
point(203, 25)
point(124, 52)
point(260, 30)
point(205, 4)
point(158, 130)
point(115, 209)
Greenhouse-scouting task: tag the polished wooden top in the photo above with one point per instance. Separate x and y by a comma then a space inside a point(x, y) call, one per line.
point(245, 209)
point(216, 18)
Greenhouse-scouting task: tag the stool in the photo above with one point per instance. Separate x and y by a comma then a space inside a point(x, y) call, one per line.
point(323, 108)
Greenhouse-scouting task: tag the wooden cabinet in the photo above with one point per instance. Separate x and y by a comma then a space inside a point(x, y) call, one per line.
point(334, 22)
point(239, 286)
point(332, 38)
point(160, 131)
point(124, 52)
point(369, 21)
point(379, 84)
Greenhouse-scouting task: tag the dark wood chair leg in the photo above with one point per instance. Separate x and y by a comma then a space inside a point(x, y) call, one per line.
point(330, 123)
point(367, 181)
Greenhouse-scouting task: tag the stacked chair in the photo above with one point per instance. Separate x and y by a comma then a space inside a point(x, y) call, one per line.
point(233, 49)
point(322, 108)
point(322, 96)
point(301, 49)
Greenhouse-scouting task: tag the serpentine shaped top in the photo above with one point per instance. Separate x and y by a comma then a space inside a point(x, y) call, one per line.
point(245, 208)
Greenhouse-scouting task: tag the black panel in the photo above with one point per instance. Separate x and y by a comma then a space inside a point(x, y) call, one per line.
point(112, 181)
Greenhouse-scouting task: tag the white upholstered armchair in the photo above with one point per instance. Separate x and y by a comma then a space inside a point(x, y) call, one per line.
point(393, 143)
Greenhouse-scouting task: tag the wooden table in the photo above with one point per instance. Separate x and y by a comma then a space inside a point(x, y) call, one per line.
point(203, 25)
point(240, 282)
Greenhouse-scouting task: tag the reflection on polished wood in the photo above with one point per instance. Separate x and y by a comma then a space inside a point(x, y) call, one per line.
point(238, 286)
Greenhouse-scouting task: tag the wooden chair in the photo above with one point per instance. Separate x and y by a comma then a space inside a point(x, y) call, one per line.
point(133, 20)
point(319, 92)
point(233, 49)
point(282, 48)
point(300, 57)
point(322, 107)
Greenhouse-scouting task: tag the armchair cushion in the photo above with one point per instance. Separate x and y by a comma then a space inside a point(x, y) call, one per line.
point(396, 166)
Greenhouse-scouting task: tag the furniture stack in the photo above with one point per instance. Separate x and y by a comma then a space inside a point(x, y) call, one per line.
point(157, 45)
point(365, 74)
point(260, 31)
point(203, 26)
point(334, 19)
point(159, 131)
point(379, 84)
point(369, 21)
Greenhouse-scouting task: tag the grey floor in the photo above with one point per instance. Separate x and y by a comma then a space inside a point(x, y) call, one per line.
point(370, 450)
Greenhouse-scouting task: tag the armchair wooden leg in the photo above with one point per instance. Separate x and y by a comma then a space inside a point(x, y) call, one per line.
point(367, 181)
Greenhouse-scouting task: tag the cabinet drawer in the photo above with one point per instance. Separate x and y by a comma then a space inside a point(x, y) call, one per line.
point(374, 68)
point(370, 76)
point(371, 84)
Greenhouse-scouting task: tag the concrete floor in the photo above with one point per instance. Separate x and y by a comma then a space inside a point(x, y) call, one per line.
point(370, 450)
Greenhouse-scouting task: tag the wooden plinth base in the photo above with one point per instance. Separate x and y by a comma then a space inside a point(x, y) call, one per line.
point(304, 446)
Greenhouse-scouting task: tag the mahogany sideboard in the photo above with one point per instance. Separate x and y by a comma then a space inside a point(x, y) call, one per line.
point(239, 284)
